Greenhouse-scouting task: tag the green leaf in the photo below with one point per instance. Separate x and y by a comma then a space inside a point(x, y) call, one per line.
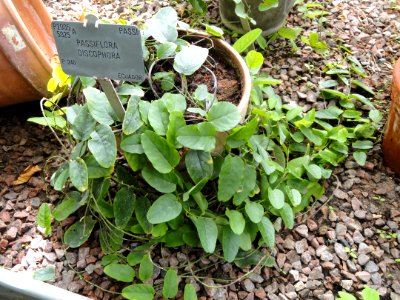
point(166, 50)
point(230, 244)
point(254, 60)
point(214, 30)
point(329, 156)
point(83, 124)
point(236, 221)
point(268, 4)
point(70, 203)
point(162, 26)
point(161, 154)
point(94, 169)
point(132, 144)
point(360, 157)
point(132, 121)
point(45, 274)
point(127, 89)
point(199, 165)
point(44, 217)
point(224, 116)
point(124, 203)
point(199, 7)
point(346, 296)
point(289, 33)
point(362, 99)
point(370, 294)
point(176, 122)
point(78, 174)
point(296, 166)
point(240, 135)
point(145, 268)
point(230, 177)
point(249, 181)
point(375, 115)
point(52, 121)
point(120, 272)
point(314, 170)
point(79, 232)
point(103, 146)
point(294, 196)
point(246, 40)
point(139, 291)
point(142, 206)
point(190, 59)
point(164, 183)
point(174, 102)
point(135, 161)
point(331, 113)
point(362, 85)
point(195, 189)
point(99, 107)
point(60, 177)
point(159, 230)
point(255, 211)
point(197, 137)
point(276, 197)
point(136, 255)
point(267, 231)
point(364, 145)
point(189, 292)
point(170, 287)
point(287, 215)
point(164, 209)
point(144, 107)
point(207, 231)
point(263, 80)
point(158, 117)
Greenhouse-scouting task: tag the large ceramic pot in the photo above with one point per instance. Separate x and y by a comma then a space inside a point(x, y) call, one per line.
point(269, 21)
point(391, 140)
point(26, 49)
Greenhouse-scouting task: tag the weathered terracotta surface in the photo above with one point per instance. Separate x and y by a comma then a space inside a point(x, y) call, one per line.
point(26, 49)
point(391, 140)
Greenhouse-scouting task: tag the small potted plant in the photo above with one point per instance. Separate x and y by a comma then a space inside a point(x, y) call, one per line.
point(241, 16)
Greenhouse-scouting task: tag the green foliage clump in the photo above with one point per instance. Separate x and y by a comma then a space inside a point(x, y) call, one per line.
point(221, 183)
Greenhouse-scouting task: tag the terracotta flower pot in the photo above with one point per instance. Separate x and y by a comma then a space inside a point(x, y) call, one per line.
point(391, 140)
point(26, 49)
point(269, 21)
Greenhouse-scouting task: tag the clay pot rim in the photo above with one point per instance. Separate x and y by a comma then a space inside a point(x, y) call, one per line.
point(25, 33)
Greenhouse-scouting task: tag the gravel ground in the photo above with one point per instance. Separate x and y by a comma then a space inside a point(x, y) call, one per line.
point(311, 260)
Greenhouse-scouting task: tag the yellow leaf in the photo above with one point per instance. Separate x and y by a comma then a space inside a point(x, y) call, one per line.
point(26, 174)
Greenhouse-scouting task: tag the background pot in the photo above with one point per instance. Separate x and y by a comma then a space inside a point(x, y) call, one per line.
point(269, 21)
point(391, 140)
point(26, 49)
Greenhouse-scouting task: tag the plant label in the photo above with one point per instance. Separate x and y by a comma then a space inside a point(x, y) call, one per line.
point(102, 50)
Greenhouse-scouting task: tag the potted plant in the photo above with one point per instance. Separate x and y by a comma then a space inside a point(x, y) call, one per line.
point(241, 16)
point(266, 15)
point(26, 50)
point(156, 178)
